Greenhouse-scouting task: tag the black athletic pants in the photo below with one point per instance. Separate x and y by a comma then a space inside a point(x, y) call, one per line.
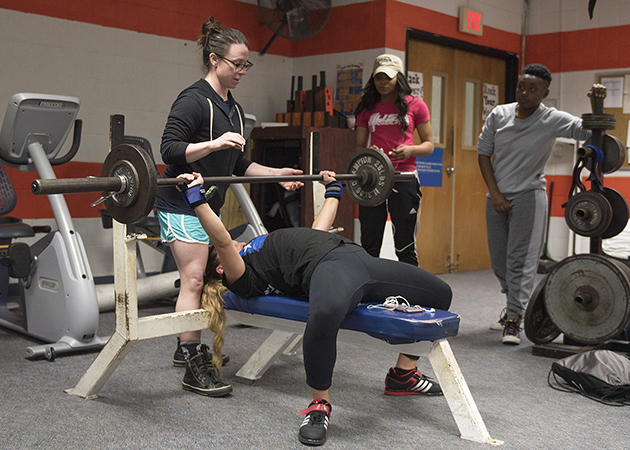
point(346, 277)
point(402, 205)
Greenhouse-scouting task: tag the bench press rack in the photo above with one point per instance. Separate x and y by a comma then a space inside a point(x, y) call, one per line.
point(130, 328)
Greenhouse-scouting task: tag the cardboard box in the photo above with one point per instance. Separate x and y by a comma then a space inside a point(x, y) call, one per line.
point(307, 119)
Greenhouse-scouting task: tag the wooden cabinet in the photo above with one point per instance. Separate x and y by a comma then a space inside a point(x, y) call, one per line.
point(311, 150)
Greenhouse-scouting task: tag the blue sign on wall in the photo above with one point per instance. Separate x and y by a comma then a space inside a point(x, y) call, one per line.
point(430, 168)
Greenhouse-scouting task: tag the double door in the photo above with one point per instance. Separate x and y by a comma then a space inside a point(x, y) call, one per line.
point(456, 86)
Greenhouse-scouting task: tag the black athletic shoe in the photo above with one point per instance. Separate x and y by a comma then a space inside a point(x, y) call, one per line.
point(411, 382)
point(201, 379)
point(315, 423)
point(180, 361)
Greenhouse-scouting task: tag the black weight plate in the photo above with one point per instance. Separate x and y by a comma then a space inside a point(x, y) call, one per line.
point(588, 213)
point(378, 177)
point(587, 297)
point(614, 153)
point(620, 213)
point(539, 328)
point(598, 121)
point(137, 200)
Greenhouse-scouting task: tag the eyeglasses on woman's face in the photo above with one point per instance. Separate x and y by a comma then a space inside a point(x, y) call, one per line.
point(239, 67)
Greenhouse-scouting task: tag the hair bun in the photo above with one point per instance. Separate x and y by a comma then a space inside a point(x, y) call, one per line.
point(210, 26)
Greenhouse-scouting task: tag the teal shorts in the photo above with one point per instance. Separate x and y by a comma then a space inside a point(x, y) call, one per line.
point(181, 227)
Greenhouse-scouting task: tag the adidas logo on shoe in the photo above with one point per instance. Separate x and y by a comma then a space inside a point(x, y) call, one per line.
point(315, 423)
point(411, 382)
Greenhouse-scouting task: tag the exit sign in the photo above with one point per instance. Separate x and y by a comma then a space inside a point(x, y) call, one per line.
point(470, 21)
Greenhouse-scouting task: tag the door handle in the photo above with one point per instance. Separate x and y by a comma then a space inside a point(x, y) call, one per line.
point(450, 170)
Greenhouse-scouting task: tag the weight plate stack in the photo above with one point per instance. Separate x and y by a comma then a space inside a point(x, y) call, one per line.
point(587, 297)
point(614, 154)
point(588, 213)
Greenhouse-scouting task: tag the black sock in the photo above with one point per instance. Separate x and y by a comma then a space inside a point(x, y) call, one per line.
point(400, 372)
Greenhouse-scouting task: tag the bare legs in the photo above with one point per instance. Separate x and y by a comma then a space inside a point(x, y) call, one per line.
point(191, 259)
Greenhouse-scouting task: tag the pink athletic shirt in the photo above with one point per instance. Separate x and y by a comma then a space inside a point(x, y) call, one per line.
point(385, 132)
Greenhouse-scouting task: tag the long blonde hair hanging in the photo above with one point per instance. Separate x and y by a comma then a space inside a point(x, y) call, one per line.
point(212, 301)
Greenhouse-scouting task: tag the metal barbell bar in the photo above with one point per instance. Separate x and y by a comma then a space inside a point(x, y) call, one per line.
point(130, 180)
point(118, 183)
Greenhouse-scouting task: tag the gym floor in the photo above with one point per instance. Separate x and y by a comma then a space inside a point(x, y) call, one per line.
point(142, 405)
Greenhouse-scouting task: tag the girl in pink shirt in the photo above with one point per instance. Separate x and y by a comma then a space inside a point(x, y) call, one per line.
point(386, 119)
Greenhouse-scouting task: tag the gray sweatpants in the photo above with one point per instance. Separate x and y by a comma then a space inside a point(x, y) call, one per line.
point(515, 242)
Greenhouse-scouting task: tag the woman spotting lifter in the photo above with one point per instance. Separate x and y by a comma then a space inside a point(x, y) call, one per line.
point(204, 133)
point(334, 273)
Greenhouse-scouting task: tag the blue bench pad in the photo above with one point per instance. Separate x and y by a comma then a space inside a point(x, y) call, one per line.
point(394, 327)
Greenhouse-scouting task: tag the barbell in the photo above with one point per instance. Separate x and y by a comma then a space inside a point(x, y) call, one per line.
point(129, 181)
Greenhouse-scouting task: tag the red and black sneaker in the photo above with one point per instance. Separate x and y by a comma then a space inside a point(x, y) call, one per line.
point(315, 423)
point(410, 382)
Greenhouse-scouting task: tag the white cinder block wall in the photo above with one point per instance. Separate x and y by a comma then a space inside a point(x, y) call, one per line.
point(115, 71)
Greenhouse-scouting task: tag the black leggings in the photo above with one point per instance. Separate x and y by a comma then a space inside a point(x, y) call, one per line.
point(402, 205)
point(346, 277)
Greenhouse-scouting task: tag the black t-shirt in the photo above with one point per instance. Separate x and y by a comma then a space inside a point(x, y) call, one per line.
point(282, 262)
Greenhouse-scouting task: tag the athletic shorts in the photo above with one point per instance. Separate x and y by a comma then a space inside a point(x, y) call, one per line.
point(181, 227)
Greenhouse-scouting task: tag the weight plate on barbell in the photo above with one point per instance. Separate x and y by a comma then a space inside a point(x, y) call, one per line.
point(587, 297)
point(614, 153)
point(539, 328)
point(598, 121)
point(588, 213)
point(138, 196)
point(377, 180)
point(620, 213)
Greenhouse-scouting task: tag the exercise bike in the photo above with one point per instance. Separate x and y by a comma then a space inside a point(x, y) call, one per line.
point(57, 301)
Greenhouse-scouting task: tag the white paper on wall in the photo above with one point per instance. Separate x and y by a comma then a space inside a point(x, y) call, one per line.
point(416, 84)
point(626, 95)
point(614, 91)
point(490, 99)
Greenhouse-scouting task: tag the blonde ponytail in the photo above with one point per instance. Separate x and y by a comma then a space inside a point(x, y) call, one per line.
point(212, 301)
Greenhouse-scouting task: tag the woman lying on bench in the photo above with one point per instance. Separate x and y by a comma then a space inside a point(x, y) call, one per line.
point(335, 274)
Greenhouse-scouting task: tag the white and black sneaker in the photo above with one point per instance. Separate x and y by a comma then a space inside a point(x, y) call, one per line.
point(500, 324)
point(512, 332)
point(202, 379)
point(180, 361)
point(315, 423)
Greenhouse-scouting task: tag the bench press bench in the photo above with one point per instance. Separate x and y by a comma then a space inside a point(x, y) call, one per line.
point(423, 334)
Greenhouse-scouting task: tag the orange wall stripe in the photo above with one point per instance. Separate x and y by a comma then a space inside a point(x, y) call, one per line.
point(355, 27)
point(383, 23)
point(562, 186)
point(594, 49)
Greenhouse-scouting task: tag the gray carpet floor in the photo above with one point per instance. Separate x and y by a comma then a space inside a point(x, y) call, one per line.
point(142, 405)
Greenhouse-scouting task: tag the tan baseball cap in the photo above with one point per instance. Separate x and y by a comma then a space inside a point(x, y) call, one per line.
point(390, 65)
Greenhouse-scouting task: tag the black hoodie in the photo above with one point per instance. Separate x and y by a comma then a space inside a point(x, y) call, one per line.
point(190, 122)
